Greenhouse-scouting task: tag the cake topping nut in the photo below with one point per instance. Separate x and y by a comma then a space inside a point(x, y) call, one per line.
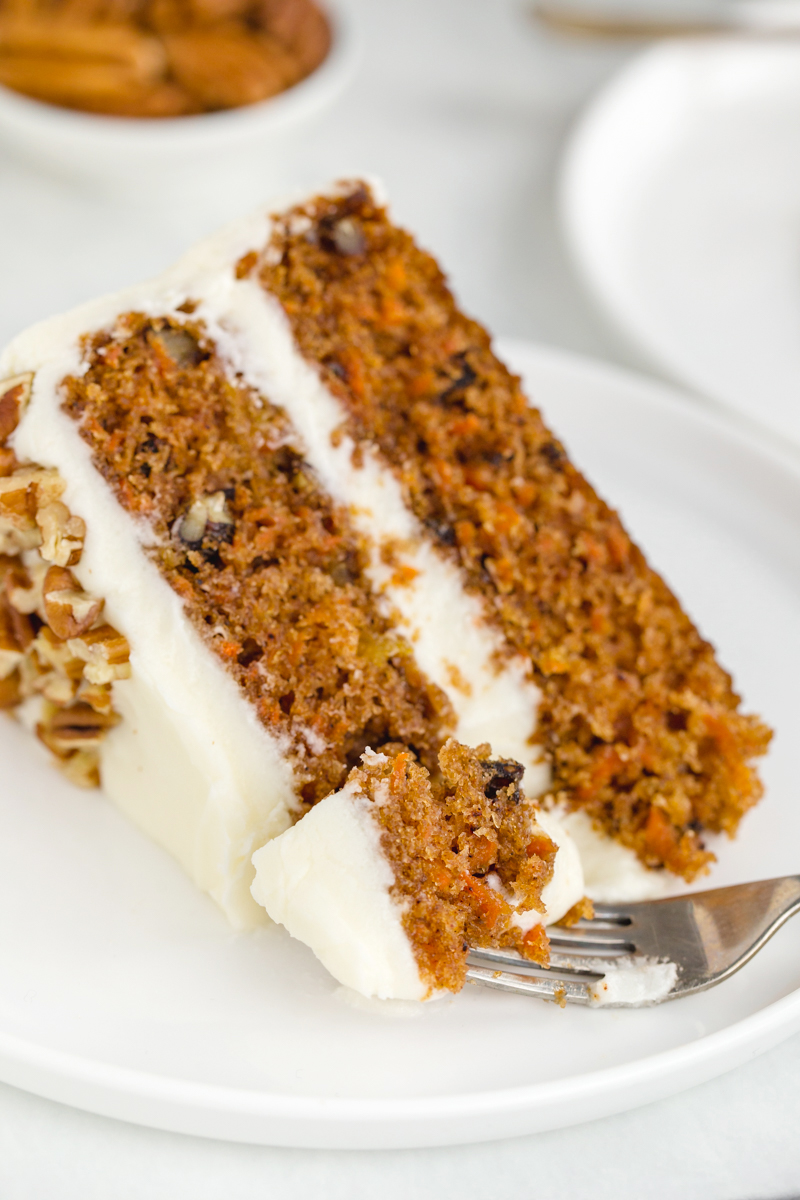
point(106, 654)
point(14, 396)
point(11, 653)
point(346, 237)
point(70, 611)
point(62, 535)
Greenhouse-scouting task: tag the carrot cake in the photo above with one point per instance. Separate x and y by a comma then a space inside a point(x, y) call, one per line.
point(283, 508)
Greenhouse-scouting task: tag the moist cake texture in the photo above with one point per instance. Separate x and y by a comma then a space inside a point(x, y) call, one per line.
point(270, 572)
point(255, 602)
point(284, 504)
point(640, 723)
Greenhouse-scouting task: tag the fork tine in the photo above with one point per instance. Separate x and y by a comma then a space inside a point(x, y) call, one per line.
point(560, 991)
point(615, 914)
point(591, 969)
point(588, 941)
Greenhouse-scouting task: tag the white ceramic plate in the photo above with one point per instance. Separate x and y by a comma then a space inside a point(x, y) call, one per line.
point(123, 991)
point(681, 202)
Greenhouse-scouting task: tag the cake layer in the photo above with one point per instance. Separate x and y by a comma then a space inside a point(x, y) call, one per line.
point(269, 570)
point(639, 722)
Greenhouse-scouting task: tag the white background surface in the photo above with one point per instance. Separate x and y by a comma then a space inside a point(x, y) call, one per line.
point(462, 108)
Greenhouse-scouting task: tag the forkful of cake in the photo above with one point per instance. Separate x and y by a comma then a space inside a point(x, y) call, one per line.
point(634, 954)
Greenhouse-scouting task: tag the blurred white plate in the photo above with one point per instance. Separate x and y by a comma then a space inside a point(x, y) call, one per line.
point(123, 991)
point(681, 202)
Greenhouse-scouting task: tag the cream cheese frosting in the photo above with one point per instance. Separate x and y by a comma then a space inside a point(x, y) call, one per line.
point(190, 762)
point(612, 871)
point(327, 881)
point(634, 983)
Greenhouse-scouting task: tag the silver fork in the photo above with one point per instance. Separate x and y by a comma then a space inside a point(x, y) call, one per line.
point(707, 936)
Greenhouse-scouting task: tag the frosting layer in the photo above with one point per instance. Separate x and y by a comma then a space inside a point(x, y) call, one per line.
point(327, 882)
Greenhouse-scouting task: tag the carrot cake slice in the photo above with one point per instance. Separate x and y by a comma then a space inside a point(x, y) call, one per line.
point(284, 504)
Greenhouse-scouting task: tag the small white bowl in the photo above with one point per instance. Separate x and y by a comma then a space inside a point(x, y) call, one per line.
point(241, 149)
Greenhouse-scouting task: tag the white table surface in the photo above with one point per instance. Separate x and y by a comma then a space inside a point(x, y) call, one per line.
point(462, 107)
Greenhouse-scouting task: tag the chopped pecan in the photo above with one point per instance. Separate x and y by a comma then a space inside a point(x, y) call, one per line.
point(18, 511)
point(69, 610)
point(8, 563)
point(16, 631)
point(98, 695)
point(23, 495)
point(10, 694)
point(58, 688)
point(29, 488)
point(105, 652)
point(33, 676)
point(207, 517)
point(14, 396)
point(181, 346)
point(82, 768)
point(23, 586)
point(346, 236)
point(55, 655)
point(77, 727)
point(14, 539)
point(62, 534)
point(11, 653)
point(68, 663)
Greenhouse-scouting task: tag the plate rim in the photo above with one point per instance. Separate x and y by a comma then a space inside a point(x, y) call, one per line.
point(279, 1119)
point(319, 1122)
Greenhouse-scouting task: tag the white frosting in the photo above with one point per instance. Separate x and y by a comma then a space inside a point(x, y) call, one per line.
point(611, 871)
point(326, 880)
point(190, 762)
point(634, 982)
